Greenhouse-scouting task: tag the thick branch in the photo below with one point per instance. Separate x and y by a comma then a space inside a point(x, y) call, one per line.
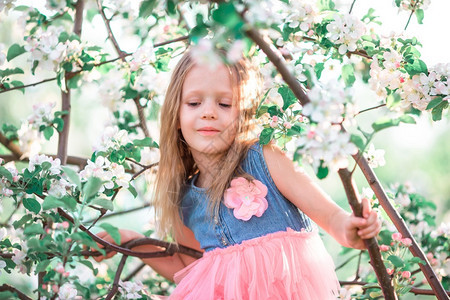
point(400, 225)
point(22, 296)
point(63, 141)
point(371, 244)
point(15, 150)
point(170, 248)
point(71, 160)
point(79, 7)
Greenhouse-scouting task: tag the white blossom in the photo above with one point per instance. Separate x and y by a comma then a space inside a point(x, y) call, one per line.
point(235, 52)
point(303, 14)
point(29, 139)
point(130, 290)
point(375, 157)
point(120, 177)
point(100, 169)
point(112, 138)
point(67, 292)
point(142, 56)
point(58, 188)
point(55, 167)
point(42, 114)
point(7, 5)
point(203, 53)
point(2, 265)
point(345, 31)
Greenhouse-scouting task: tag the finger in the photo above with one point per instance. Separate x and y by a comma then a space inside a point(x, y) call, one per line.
point(370, 231)
point(365, 207)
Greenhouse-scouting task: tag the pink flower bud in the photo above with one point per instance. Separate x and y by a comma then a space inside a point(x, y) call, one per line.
point(68, 240)
point(311, 134)
point(310, 52)
point(60, 269)
point(273, 124)
point(300, 118)
point(65, 224)
point(47, 230)
point(412, 281)
point(16, 178)
point(397, 236)
point(407, 242)
point(66, 274)
point(390, 271)
point(402, 79)
point(384, 248)
point(288, 125)
point(275, 119)
point(310, 33)
point(406, 274)
point(44, 286)
point(55, 288)
point(430, 255)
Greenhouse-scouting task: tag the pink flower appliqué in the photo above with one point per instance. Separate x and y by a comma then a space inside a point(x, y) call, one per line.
point(247, 198)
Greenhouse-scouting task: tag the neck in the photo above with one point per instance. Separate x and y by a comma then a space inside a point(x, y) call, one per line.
point(207, 166)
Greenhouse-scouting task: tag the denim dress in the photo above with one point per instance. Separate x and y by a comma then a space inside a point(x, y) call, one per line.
point(278, 255)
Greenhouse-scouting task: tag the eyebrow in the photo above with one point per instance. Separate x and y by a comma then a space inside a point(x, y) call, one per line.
point(198, 92)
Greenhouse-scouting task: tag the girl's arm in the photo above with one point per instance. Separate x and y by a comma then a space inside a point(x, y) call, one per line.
point(298, 188)
point(165, 266)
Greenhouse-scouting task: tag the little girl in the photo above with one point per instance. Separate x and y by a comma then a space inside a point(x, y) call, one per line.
point(244, 205)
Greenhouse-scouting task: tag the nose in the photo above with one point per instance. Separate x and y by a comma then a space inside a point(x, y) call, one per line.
point(209, 110)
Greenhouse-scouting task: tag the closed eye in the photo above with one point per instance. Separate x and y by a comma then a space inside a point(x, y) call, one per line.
point(226, 105)
point(193, 104)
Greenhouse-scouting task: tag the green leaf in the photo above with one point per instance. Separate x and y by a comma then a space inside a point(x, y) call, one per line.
point(112, 231)
point(416, 260)
point(358, 141)
point(407, 119)
point(33, 229)
point(226, 15)
point(266, 135)
point(287, 95)
point(146, 8)
point(89, 265)
point(8, 72)
point(419, 15)
point(322, 171)
point(14, 51)
point(48, 132)
point(417, 67)
point(41, 266)
point(5, 173)
point(16, 83)
point(393, 100)
point(59, 124)
point(132, 190)
point(92, 186)
point(348, 74)
point(318, 68)
point(396, 261)
point(274, 111)
point(326, 5)
point(51, 202)
point(435, 102)
point(72, 175)
point(436, 113)
point(145, 142)
point(104, 203)
point(91, 13)
point(384, 122)
point(22, 221)
point(32, 205)
point(397, 2)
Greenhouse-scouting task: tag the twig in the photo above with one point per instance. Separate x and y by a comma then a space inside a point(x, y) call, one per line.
point(370, 108)
point(410, 15)
point(141, 115)
point(27, 85)
point(351, 7)
point(134, 272)
point(71, 160)
point(115, 286)
point(400, 224)
point(358, 265)
point(371, 244)
point(6, 287)
point(346, 262)
point(108, 28)
point(114, 214)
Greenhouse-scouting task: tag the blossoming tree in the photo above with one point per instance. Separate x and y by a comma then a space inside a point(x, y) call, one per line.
point(59, 201)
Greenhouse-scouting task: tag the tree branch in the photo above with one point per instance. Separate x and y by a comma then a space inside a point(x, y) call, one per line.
point(108, 28)
point(22, 296)
point(142, 119)
point(15, 150)
point(114, 214)
point(79, 7)
point(400, 224)
point(371, 244)
point(115, 286)
point(63, 141)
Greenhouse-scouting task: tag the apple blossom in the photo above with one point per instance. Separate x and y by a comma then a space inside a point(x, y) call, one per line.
point(130, 290)
point(30, 139)
point(375, 157)
point(345, 31)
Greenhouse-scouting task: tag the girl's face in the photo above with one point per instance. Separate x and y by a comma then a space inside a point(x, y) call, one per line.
point(208, 113)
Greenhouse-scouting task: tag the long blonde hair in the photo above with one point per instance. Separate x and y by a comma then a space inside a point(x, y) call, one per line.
point(177, 165)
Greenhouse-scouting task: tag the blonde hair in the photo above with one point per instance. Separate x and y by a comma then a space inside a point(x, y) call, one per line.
point(177, 165)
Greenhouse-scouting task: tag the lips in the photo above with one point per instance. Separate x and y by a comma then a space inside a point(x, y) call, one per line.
point(208, 131)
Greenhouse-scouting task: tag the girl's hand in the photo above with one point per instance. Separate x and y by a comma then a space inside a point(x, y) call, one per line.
point(125, 236)
point(357, 229)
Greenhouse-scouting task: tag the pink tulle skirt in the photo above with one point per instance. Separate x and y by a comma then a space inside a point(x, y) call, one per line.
point(281, 265)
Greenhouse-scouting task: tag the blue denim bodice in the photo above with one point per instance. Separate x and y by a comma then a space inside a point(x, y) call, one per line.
point(225, 230)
